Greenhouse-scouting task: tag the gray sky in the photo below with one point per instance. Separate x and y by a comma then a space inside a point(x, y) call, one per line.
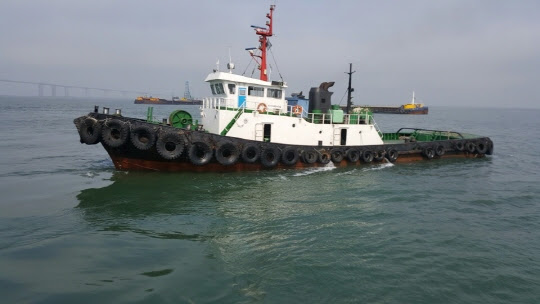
point(451, 52)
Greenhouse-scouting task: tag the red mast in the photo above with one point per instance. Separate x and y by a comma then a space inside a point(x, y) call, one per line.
point(264, 33)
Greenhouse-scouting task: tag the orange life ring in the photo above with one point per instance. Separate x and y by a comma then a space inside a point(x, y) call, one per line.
point(297, 110)
point(261, 108)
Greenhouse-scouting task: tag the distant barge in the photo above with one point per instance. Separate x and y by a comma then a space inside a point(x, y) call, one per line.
point(409, 108)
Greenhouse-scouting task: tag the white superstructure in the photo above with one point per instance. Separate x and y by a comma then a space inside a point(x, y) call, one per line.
point(256, 109)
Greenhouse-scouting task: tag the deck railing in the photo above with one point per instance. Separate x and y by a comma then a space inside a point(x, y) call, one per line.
point(362, 118)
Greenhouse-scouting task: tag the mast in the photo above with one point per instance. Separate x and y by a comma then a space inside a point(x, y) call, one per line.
point(349, 89)
point(263, 33)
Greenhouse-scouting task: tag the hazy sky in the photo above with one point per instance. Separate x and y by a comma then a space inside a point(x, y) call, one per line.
point(462, 52)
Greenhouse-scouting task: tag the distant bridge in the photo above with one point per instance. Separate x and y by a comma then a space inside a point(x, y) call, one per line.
point(53, 88)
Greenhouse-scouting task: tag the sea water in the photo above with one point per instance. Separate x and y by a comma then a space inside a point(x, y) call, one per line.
point(75, 230)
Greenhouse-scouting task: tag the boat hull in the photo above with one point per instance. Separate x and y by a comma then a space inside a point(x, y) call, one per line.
point(128, 154)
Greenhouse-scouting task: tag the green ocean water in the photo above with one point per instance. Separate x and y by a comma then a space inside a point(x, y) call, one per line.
point(74, 230)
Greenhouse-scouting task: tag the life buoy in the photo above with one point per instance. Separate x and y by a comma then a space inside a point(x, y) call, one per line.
point(90, 131)
point(470, 147)
point(115, 133)
point(481, 147)
point(460, 146)
point(297, 110)
point(170, 145)
point(439, 150)
point(324, 157)
point(289, 156)
point(429, 152)
point(261, 108)
point(200, 153)
point(392, 155)
point(379, 155)
point(142, 137)
point(367, 156)
point(309, 157)
point(270, 156)
point(337, 155)
point(227, 153)
point(250, 153)
point(353, 155)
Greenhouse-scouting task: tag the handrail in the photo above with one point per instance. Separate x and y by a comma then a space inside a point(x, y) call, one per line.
point(429, 130)
point(319, 118)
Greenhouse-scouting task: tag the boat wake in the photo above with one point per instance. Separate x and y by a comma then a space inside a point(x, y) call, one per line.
point(329, 167)
point(379, 167)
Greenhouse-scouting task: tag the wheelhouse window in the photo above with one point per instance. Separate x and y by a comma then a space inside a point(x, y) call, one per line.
point(213, 90)
point(219, 88)
point(274, 93)
point(232, 88)
point(255, 91)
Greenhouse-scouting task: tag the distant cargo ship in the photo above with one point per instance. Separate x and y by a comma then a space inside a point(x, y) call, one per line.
point(161, 101)
point(409, 108)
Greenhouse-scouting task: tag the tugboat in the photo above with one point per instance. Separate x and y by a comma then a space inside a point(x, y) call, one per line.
point(248, 124)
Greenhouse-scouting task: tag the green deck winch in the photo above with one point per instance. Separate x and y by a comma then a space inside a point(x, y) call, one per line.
point(181, 119)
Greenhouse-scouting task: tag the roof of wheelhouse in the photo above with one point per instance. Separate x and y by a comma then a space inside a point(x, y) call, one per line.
point(226, 76)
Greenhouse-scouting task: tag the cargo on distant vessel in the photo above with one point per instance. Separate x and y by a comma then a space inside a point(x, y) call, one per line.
point(409, 108)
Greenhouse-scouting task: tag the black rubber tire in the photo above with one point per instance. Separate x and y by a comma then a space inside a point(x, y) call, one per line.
point(227, 153)
point(353, 155)
point(170, 145)
point(379, 156)
point(490, 148)
point(270, 156)
point(470, 147)
point(289, 156)
point(429, 153)
point(115, 133)
point(250, 153)
point(460, 146)
point(367, 156)
point(337, 155)
point(392, 155)
point(309, 157)
point(324, 157)
point(143, 137)
point(439, 150)
point(90, 131)
point(200, 153)
point(481, 147)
